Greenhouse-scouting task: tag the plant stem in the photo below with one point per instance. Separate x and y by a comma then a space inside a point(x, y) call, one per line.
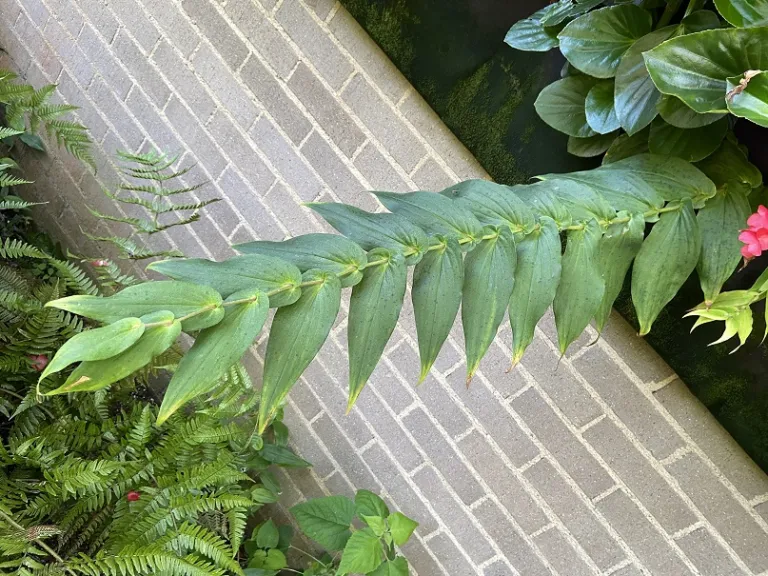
point(39, 542)
point(672, 7)
point(693, 5)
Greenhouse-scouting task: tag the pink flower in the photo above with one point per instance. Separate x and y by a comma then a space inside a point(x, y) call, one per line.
point(755, 237)
point(38, 361)
point(100, 263)
point(132, 496)
point(759, 219)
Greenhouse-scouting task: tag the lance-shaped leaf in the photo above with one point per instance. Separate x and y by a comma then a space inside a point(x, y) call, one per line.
point(96, 344)
point(582, 201)
point(562, 105)
point(599, 108)
point(592, 146)
point(180, 298)
point(436, 295)
point(666, 259)
point(216, 350)
point(492, 204)
point(543, 198)
point(675, 112)
point(719, 222)
point(625, 146)
point(692, 144)
point(729, 163)
point(156, 339)
point(373, 312)
point(530, 34)
point(536, 278)
point(489, 278)
point(375, 230)
point(329, 252)
point(747, 96)
point(615, 252)
point(581, 285)
point(595, 42)
point(263, 273)
point(695, 67)
point(295, 337)
point(743, 13)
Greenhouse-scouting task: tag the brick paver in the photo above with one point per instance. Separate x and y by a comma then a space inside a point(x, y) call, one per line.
point(602, 463)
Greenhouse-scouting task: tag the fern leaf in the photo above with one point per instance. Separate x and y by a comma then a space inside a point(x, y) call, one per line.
point(17, 204)
point(6, 132)
point(75, 278)
point(190, 538)
point(182, 207)
point(6, 180)
point(12, 248)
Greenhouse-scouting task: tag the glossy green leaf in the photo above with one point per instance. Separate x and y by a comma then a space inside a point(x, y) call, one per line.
point(700, 20)
point(369, 504)
point(264, 273)
point(96, 344)
point(267, 536)
point(282, 456)
point(216, 350)
point(562, 105)
point(536, 278)
point(373, 312)
point(666, 259)
point(729, 163)
point(625, 146)
point(675, 112)
point(91, 376)
point(375, 230)
point(691, 144)
point(396, 567)
point(695, 67)
point(747, 97)
point(599, 108)
point(743, 13)
point(595, 42)
point(720, 221)
point(636, 96)
point(581, 286)
point(297, 333)
point(489, 277)
point(401, 527)
point(362, 554)
point(563, 10)
point(326, 520)
point(530, 34)
point(436, 295)
point(492, 204)
point(592, 146)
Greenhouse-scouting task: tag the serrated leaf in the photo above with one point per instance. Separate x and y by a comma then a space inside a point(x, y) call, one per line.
point(396, 567)
point(362, 553)
point(373, 312)
point(326, 520)
point(592, 146)
point(401, 527)
point(267, 536)
point(743, 13)
point(666, 259)
point(599, 108)
point(692, 144)
point(492, 204)
point(675, 112)
point(562, 105)
point(728, 163)
point(282, 456)
point(369, 504)
point(625, 146)
point(747, 97)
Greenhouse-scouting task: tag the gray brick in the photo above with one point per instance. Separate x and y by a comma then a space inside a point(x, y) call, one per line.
point(305, 444)
point(157, 128)
point(101, 17)
point(638, 475)
point(579, 519)
point(449, 555)
point(718, 506)
point(184, 81)
point(378, 171)
point(173, 24)
point(305, 399)
point(421, 559)
point(628, 402)
point(307, 483)
point(560, 554)
point(217, 31)
point(288, 212)
point(563, 445)
point(411, 504)
point(247, 201)
point(443, 407)
point(86, 111)
point(92, 45)
point(289, 495)
point(132, 17)
point(217, 244)
point(221, 213)
point(495, 366)
point(383, 122)
point(195, 137)
point(548, 325)
point(72, 20)
point(37, 12)
point(498, 568)
point(713, 439)
point(313, 41)
point(127, 128)
point(652, 550)
point(145, 75)
point(391, 389)
point(762, 510)
point(430, 176)
point(629, 570)
point(343, 452)
point(559, 383)
point(326, 110)
point(45, 57)
point(709, 557)
point(187, 243)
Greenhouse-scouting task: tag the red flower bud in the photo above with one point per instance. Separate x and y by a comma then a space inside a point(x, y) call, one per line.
point(132, 496)
point(100, 263)
point(38, 361)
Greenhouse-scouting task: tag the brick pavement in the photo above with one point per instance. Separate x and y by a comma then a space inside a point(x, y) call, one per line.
point(601, 463)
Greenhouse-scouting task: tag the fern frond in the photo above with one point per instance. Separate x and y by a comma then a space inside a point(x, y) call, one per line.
point(13, 248)
point(191, 538)
point(73, 137)
point(182, 207)
point(6, 180)
point(17, 204)
point(141, 224)
point(237, 520)
point(132, 251)
point(74, 277)
point(6, 132)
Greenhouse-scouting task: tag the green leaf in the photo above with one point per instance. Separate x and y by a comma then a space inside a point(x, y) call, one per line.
point(530, 34)
point(282, 456)
point(270, 562)
point(180, 298)
point(543, 199)
point(595, 42)
point(636, 96)
point(263, 273)
point(489, 276)
point(380, 230)
point(377, 524)
point(729, 163)
point(695, 67)
point(91, 376)
point(297, 333)
point(625, 146)
point(267, 536)
point(562, 105)
point(581, 287)
point(700, 20)
point(373, 312)
point(743, 13)
point(563, 10)
point(33, 141)
point(401, 527)
point(666, 259)
point(720, 221)
point(362, 554)
point(369, 504)
point(396, 567)
point(675, 112)
point(216, 350)
point(599, 108)
point(326, 520)
point(328, 252)
point(536, 278)
point(692, 144)
point(592, 146)
point(747, 97)
point(492, 204)
point(96, 344)
point(581, 201)
point(436, 295)
point(618, 247)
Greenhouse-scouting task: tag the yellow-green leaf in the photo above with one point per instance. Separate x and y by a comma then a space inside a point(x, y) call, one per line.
point(743, 13)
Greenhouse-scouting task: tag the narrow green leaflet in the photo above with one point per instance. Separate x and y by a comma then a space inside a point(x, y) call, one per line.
point(743, 13)
point(216, 350)
point(379, 230)
point(489, 278)
point(373, 312)
point(582, 201)
point(695, 67)
point(264, 273)
point(436, 295)
point(492, 204)
point(625, 146)
point(536, 278)
point(636, 96)
point(543, 198)
point(666, 259)
point(675, 112)
point(91, 376)
point(401, 527)
point(369, 504)
point(362, 554)
point(729, 163)
point(530, 34)
point(720, 221)
point(96, 344)
point(599, 108)
point(747, 96)
point(562, 105)
point(297, 333)
point(581, 287)
point(592, 146)
point(396, 567)
point(326, 520)
point(691, 144)
point(283, 456)
point(595, 42)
